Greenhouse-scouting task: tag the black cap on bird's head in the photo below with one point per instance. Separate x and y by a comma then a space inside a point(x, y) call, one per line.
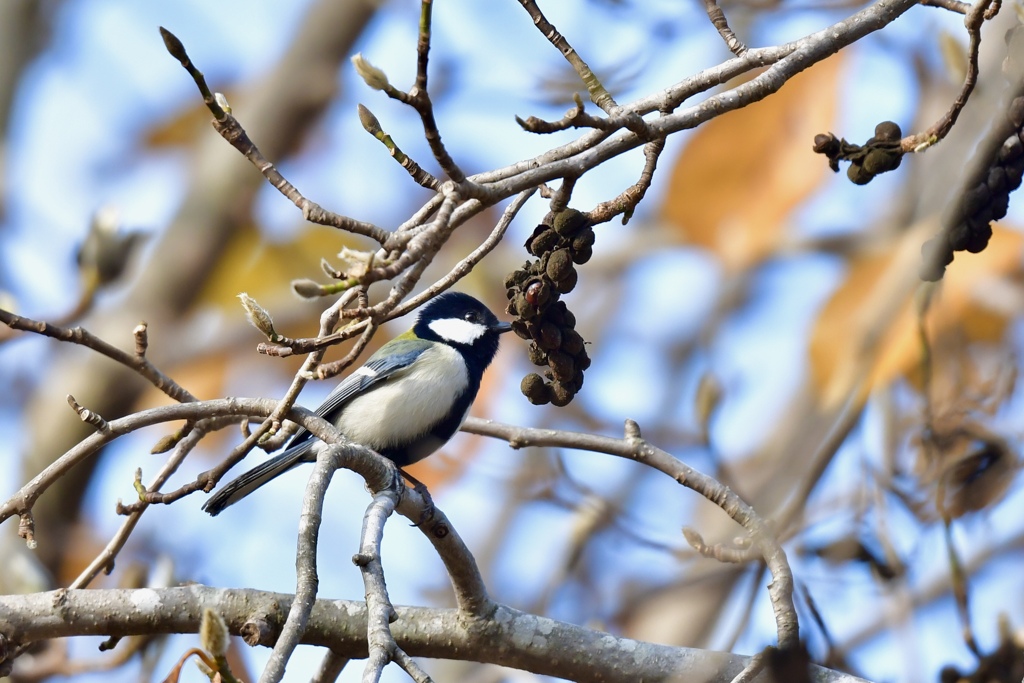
point(461, 321)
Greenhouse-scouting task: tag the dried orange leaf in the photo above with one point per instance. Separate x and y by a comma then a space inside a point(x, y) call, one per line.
point(867, 334)
point(741, 175)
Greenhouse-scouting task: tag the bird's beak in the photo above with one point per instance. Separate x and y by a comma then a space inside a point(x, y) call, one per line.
point(502, 327)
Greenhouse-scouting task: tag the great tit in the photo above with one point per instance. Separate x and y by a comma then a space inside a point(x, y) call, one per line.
point(409, 398)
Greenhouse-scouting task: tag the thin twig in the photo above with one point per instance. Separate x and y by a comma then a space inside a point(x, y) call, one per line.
point(576, 117)
point(409, 665)
point(87, 416)
point(419, 99)
point(598, 94)
point(633, 447)
point(330, 668)
point(380, 612)
point(231, 130)
point(631, 197)
point(718, 551)
point(23, 500)
point(79, 335)
point(752, 669)
point(328, 321)
point(951, 5)
point(104, 562)
point(390, 308)
point(561, 197)
point(416, 172)
point(721, 24)
point(327, 370)
point(975, 17)
point(961, 593)
point(471, 595)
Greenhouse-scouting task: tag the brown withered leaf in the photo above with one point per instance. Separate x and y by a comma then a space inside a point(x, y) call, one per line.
point(741, 175)
point(867, 333)
point(251, 263)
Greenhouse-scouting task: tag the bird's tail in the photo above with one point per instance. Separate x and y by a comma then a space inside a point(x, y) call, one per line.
point(242, 486)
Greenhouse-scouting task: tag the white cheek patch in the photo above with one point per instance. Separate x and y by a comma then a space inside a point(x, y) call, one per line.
point(458, 330)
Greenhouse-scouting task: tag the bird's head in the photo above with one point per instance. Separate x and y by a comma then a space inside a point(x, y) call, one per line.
point(459, 320)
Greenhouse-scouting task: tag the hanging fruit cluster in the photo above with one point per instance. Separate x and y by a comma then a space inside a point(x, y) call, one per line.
point(564, 240)
point(968, 226)
point(880, 154)
point(997, 169)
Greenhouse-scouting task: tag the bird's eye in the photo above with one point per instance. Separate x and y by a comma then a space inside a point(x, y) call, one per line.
point(471, 317)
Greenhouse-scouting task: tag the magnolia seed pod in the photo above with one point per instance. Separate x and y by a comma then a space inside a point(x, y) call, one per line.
point(826, 143)
point(888, 131)
point(583, 240)
point(572, 342)
point(535, 390)
point(567, 284)
point(538, 292)
point(858, 175)
point(997, 179)
point(1015, 113)
point(561, 395)
point(516, 278)
point(1013, 176)
point(524, 309)
point(577, 383)
point(881, 160)
point(543, 241)
point(537, 355)
point(562, 366)
point(975, 198)
point(979, 239)
point(558, 265)
point(1000, 203)
point(569, 222)
point(550, 337)
point(980, 219)
point(581, 256)
point(521, 329)
point(958, 236)
point(533, 235)
point(1012, 148)
point(568, 319)
point(556, 313)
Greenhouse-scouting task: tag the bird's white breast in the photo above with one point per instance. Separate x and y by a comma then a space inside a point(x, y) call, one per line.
point(408, 404)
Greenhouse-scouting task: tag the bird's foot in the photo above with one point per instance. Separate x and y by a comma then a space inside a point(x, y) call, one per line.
point(428, 502)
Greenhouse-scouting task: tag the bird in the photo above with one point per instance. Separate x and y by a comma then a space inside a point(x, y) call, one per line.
point(406, 401)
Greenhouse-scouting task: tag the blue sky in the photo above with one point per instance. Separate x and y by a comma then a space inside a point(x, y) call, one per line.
point(74, 146)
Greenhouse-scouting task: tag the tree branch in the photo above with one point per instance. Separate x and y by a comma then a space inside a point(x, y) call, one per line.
point(511, 638)
point(307, 581)
point(79, 335)
point(632, 447)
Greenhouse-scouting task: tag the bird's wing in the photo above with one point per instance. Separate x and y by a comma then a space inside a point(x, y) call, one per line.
point(376, 370)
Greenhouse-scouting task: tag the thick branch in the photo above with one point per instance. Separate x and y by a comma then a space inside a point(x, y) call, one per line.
point(511, 638)
point(470, 592)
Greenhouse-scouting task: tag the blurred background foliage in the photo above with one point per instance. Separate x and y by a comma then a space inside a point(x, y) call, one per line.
point(759, 317)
